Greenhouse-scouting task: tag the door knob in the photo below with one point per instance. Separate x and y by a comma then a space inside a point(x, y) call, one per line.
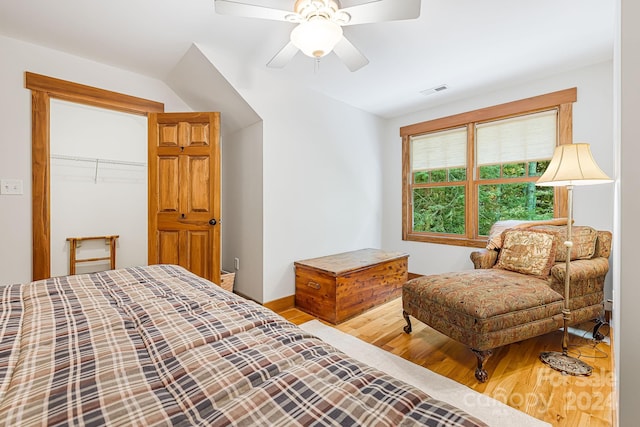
point(213, 221)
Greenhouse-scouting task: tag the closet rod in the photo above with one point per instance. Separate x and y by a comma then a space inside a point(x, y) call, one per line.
point(97, 160)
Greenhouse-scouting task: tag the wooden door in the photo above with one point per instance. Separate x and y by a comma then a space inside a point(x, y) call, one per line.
point(184, 191)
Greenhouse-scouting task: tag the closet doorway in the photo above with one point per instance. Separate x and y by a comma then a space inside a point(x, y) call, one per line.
point(182, 229)
point(98, 164)
point(43, 89)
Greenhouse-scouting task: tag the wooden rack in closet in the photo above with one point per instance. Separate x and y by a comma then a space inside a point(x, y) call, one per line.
point(74, 243)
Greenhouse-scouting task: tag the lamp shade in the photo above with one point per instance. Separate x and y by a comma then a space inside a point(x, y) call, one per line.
point(316, 37)
point(572, 164)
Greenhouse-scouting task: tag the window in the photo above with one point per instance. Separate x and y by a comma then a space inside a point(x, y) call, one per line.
point(462, 173)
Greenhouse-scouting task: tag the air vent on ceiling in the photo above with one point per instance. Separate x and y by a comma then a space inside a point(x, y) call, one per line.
point(434, 89)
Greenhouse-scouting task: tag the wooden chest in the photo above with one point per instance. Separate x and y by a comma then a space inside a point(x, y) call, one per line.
point(338, 287)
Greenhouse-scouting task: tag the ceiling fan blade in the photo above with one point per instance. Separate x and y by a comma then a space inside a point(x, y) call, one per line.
point(383, 10)
point(227, 7)
point(350, 55)
point(283, 57)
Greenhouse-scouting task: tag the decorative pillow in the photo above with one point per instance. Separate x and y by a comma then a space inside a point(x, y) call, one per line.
point(498, 227)
point(527, 251)
point(583, 237)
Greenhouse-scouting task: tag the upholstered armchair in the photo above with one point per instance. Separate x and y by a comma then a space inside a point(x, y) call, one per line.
point(589, 267)
point(516, 290)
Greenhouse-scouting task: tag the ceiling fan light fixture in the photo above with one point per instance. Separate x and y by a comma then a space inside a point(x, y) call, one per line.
point(316, 37)
point(309, 8)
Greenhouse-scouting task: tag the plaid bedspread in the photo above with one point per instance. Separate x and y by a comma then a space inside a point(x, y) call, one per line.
point(151, 346)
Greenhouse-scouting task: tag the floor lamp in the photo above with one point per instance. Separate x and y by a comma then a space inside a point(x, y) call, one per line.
point(571, 164)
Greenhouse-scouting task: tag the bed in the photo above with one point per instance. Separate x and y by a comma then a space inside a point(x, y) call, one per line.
point(157, 345)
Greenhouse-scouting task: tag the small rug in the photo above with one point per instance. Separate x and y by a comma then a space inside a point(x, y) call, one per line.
point(491, 411)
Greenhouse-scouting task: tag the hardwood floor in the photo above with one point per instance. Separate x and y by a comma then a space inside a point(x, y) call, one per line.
point(516, 375)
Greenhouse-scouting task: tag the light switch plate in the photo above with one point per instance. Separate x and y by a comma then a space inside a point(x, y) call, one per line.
point(11, 186)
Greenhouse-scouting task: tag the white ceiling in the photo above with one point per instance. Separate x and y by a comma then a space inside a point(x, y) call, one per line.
point(473, 46)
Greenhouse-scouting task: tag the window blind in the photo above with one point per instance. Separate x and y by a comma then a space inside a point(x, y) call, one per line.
point(518, 139)
point(439, 150)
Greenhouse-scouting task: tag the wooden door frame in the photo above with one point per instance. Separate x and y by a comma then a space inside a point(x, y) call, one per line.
point(44, 88)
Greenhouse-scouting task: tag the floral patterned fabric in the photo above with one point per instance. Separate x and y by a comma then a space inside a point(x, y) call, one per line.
point(485, 258)
point(583, 238)
point(483, 308)
point(527, 251)
point(603, 244)
point(490, 307)
point(498, 227)
point(581, 271)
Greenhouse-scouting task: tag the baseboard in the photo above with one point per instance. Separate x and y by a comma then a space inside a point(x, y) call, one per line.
point(281, 304)
point(414, 275)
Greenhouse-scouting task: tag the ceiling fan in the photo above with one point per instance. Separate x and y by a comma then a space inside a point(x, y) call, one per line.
point(320, 22)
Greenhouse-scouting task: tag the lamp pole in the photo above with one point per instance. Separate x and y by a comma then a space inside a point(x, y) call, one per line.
point(571, 164)
point(566, 313)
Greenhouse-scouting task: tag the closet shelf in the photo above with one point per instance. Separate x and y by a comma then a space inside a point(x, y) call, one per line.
point(97, 160)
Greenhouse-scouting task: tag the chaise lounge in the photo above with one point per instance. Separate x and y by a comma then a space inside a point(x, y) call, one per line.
point(516, 290)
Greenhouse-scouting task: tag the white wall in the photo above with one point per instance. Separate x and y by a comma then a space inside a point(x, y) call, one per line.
point(321, 178)
point(94, 197)
point(592, 123)
point(322, 184)
point(15, 121)
point(242, 198)
point(322, 174)
point(627, 315)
